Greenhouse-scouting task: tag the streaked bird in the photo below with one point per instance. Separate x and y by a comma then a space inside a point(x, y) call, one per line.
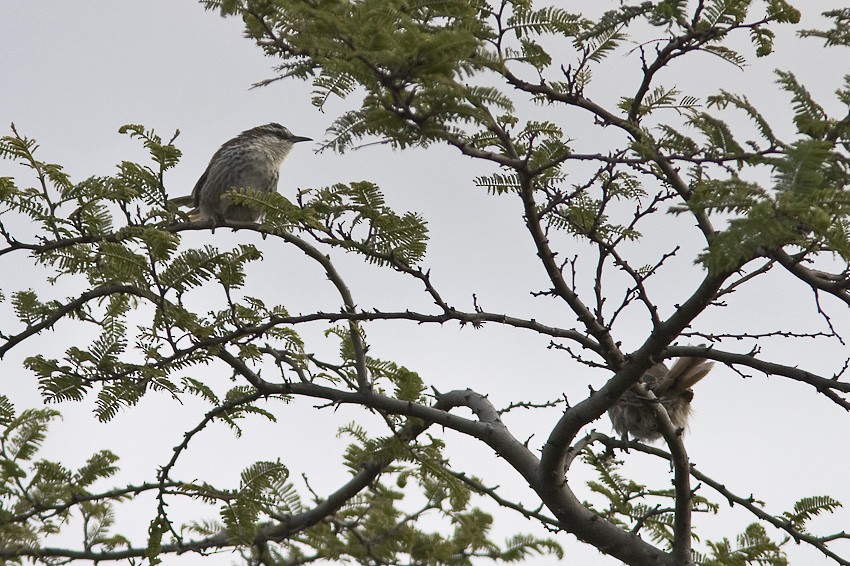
point(632, 415)
point(251, 160)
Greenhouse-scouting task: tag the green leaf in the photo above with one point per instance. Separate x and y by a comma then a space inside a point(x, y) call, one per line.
point(355, 217)
point(719, 137)
point(548, 20)
point(809, 507)
point(753, 547)
point(499, 183)
point(840, 32)
point(100, 465)
point(809, 117)
point(23, 435)
point(725, 99)
point(166, 154)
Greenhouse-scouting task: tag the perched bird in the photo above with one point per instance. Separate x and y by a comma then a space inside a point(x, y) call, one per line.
point(251, 160)
point(633, 415)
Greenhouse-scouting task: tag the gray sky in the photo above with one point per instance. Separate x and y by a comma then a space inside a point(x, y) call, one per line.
point(73, 73)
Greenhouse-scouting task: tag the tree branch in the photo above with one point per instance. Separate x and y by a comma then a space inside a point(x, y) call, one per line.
point(823, 385)
point(836, 285)
point(61, 311)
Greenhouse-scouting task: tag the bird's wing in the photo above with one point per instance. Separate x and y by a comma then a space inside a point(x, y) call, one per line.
point(653, 376)
point(196, 190)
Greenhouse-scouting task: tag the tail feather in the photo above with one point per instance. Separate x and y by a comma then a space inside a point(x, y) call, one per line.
point(188, 200)
point(684, 374)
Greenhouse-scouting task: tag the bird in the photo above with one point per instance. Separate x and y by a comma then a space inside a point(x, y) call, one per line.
point(251, 160)
point(633, 415)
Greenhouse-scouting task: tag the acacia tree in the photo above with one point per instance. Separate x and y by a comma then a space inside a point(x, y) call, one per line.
point(417, 74)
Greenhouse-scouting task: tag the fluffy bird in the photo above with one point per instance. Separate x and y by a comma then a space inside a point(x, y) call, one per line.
point(632, 414)
point(251, 160)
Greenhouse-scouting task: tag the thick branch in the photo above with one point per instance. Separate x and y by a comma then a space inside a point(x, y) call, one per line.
point(488, 428)
point(681, 479)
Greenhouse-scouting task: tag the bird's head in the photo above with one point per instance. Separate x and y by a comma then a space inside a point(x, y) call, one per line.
point(277, 131)
point(271, 140)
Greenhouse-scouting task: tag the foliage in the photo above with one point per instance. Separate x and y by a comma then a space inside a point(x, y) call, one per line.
point(753, 547)
point(632, 505)
point(38, 496)
point(501, 82)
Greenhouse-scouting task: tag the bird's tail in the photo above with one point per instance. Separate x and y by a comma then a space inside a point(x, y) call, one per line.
point(188, 200)
point(683, 375)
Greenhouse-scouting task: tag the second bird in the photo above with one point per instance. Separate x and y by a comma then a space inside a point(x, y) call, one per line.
point(251, 160)
point(633, 415)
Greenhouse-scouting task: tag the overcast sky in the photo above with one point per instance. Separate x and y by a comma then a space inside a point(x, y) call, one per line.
point(74, 72)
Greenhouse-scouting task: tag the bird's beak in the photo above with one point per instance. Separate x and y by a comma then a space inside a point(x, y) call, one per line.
point(296, 139)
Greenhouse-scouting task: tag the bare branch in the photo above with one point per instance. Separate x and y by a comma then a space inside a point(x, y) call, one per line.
point(837, 285)
point(823, 385)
